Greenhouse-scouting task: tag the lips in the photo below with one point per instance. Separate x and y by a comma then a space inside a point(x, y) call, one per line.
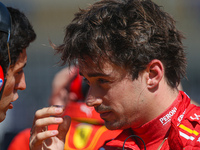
point(104, 115)
point(104, 111)
point(10, 106)
point(15, 97)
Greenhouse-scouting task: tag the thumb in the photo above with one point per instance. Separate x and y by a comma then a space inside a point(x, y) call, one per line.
point(63, 128)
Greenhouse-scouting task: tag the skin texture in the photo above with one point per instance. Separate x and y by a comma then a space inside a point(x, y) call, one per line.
point(105, 94)
point(119, 99)
point(15, 81)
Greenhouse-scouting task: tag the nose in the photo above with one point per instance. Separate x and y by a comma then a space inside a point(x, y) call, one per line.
point(21, 83)
point(92, 99)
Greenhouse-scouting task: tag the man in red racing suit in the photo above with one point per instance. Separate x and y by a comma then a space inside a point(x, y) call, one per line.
point(131, 55)
point(177, 128)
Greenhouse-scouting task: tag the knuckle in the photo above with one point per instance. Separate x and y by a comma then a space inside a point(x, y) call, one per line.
point(37, 113)
point(37, 137)
point(37, 123)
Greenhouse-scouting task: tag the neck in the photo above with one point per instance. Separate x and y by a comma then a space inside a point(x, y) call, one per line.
point(159, 100)
point(156, 130)
point(164, 99)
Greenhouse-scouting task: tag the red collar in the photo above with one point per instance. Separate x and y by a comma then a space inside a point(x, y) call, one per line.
point(154, 131)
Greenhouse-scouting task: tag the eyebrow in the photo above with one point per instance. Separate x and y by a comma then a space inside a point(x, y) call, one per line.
point(21, 67)
point(95, 74)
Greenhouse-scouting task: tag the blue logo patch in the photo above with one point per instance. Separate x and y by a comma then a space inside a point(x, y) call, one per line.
point(1, 83)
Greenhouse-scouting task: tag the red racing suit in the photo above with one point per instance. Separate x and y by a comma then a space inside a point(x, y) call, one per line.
point(177, 128)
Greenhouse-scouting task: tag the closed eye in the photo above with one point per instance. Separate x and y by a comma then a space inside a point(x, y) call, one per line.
point(102, 81)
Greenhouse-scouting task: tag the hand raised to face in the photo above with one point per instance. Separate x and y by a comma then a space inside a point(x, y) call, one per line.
point(44, 139)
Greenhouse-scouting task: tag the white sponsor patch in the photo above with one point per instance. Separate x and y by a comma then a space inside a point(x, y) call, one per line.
point(86, 110)
point(168, 116)
point(181, 117)
point(198, 139)
point(195, 117)
point(186, 136)
point(1, 82)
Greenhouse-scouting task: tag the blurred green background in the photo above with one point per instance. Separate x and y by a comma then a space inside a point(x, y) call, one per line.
point(49, 18)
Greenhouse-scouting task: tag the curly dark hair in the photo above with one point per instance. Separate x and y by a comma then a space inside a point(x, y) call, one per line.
point(130, 33)
point(22, 34)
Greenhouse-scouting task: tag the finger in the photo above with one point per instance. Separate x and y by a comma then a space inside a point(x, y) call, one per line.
point(41, 125)
point(48, 111)
point(40, 114)
point(40, 137)
point(48, 121)
point(63, 128)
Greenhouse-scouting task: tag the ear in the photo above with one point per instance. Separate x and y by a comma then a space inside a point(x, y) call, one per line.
point(155, 72)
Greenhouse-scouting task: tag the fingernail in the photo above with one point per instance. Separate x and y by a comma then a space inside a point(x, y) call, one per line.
point(58, 109)
point(54, 132)
point(58, 119)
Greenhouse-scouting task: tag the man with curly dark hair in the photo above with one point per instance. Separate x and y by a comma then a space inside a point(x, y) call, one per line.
point(13, 58)
point(132, 56)
point(16, 33)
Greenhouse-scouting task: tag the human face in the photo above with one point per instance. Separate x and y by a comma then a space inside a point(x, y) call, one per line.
point(15, 81)
point(118, 99)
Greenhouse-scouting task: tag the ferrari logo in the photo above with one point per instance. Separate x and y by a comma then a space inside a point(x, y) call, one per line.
point(82, 135)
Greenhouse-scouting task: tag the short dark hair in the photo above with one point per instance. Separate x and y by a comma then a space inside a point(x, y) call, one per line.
point(130, 33)
point(22, 34)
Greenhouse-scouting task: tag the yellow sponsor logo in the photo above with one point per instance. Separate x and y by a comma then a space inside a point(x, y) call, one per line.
point(189, 130)
point(82, 135)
